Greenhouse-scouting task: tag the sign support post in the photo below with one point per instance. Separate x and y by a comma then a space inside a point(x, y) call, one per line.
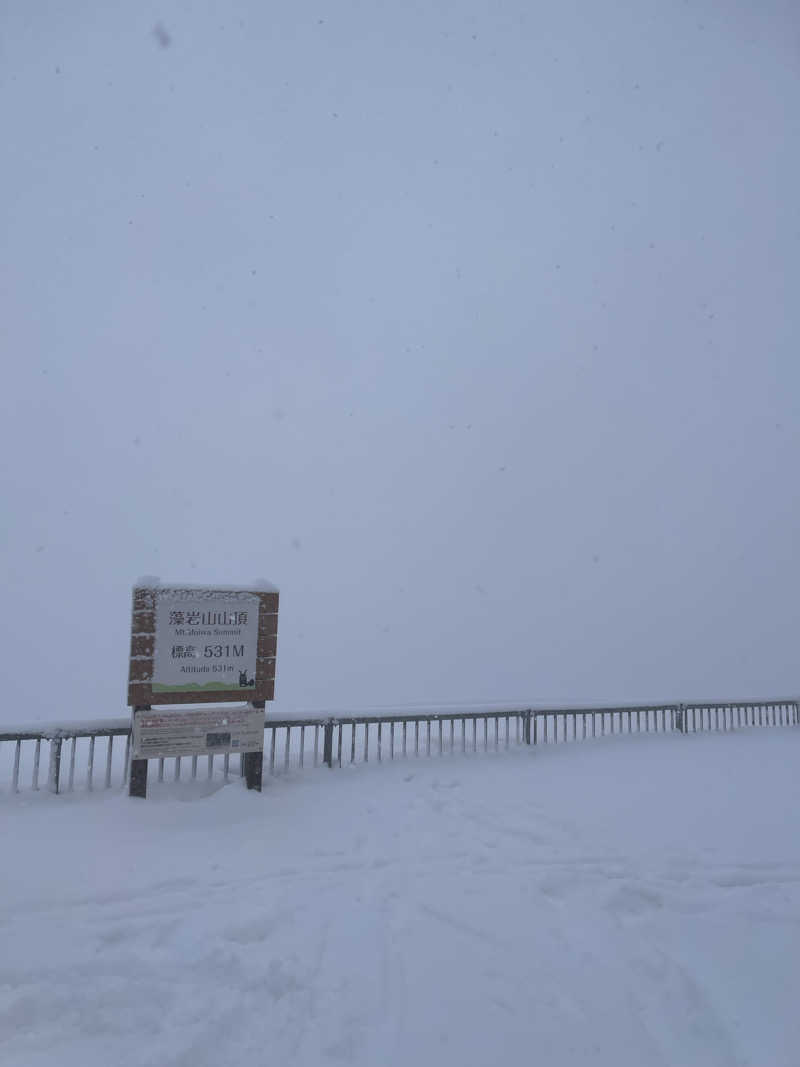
point(254, 761)
point(137, 786)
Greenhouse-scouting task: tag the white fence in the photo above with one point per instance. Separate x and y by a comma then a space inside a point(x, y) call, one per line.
point(63, 757)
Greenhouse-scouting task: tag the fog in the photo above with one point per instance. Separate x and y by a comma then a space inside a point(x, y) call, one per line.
point(472, 326)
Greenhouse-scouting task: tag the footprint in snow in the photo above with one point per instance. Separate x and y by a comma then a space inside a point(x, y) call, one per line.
point(632, 902)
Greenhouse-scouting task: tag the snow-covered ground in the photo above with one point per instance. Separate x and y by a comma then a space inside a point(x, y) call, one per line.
point(628, 902)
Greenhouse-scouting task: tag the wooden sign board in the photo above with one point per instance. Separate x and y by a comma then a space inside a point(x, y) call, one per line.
point(200, 645)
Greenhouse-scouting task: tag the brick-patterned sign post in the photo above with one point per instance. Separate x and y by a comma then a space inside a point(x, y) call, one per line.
point(199, 645)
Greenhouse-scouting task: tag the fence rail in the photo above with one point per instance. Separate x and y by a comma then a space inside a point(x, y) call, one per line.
point(85, 754)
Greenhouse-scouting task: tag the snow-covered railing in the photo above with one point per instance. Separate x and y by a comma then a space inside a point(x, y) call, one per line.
point(22, 747)
point(84, 754)
point(654, 718)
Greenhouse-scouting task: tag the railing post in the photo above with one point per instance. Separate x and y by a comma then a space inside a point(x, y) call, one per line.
point(680, 719)
point(526, 732)
point(54, 772)
point(327, 743)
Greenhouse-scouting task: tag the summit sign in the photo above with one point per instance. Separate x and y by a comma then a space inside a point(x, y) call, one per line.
point(202, 644)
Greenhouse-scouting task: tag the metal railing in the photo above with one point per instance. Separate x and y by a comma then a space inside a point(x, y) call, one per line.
point(69, 744)
point(85, 755)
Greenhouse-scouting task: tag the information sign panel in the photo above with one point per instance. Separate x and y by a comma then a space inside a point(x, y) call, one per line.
point(169, 732)
point(205, 645)
point(196, 644)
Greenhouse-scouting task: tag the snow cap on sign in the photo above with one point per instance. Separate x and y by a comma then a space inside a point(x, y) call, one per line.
point(262, 585)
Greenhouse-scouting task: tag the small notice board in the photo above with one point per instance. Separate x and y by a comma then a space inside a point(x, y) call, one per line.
point(164, 732)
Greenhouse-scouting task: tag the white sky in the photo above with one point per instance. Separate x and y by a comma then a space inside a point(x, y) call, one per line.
point(473, 326)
